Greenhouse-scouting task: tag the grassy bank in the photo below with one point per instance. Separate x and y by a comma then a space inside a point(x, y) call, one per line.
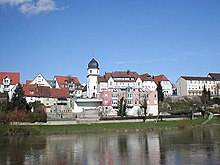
point(109, 127)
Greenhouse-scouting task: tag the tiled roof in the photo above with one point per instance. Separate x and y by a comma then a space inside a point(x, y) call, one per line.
point(14, 76)
point(197, 78)
point(47, 92)
point(146, 77)
point(160, 78)
point(28, 81)
point(215, 76)
point(62, 80)
point(119, 74)
point(60, 93)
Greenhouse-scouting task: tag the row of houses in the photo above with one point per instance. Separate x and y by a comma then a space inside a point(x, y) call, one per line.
point(66, 95)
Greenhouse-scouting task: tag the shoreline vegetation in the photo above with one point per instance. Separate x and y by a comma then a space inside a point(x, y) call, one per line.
point(19, 130)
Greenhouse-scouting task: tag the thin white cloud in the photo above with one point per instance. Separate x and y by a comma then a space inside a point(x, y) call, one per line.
point(13, 2)
point(203, 54)
point(31, 7)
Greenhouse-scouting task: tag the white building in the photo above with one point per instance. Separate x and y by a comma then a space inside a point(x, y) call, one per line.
point(55, 100)
point(8, 82)
point(193, 86)
point(92, 81)
point(165, 83)
point(216, 77)
point(40, 81)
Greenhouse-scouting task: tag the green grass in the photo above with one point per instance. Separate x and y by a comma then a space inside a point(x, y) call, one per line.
point(109, 127)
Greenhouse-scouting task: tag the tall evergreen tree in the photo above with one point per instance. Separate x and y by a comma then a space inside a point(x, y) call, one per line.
point(144, 106)
point(204, 96)
point(18, 100)
point(122, 107)
point(160, 92)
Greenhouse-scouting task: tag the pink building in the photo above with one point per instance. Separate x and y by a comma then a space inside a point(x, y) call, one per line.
point(134, 89)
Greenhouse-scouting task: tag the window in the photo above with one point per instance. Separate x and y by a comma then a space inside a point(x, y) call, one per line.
point(94, 87)
point(106, 95)
point(90, 71)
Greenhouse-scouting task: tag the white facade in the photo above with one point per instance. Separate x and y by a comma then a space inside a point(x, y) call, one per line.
point(193, 86)
point(92, 79)
point(40, 80)
point(8, 85)
point(149, 86)
point(167, 88)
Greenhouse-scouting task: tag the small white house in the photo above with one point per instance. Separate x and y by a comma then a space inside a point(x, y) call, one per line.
point(8, 82)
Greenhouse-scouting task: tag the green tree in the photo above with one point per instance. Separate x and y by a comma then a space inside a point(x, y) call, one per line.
point(122, 107)
point(18, 100)
point(205, 96)
point(144, 106)
point(160, 92)
point(38, 107)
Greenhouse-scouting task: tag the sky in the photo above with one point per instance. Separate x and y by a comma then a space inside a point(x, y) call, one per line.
point(59, 37)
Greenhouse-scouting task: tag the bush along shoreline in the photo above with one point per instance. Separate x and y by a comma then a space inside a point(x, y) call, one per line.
point(20, 130)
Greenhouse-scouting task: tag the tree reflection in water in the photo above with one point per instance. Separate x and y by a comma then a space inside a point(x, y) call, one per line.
point(185, 146)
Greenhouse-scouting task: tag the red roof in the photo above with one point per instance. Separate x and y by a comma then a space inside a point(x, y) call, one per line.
point(47, 92)
point(30, 90)
point(60, 93)
point(14, 76)
point(119, 74)
point(160, 78)
point(28, 81)
point(61, 80)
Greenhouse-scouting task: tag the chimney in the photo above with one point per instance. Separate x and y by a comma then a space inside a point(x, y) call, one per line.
point(128, 71)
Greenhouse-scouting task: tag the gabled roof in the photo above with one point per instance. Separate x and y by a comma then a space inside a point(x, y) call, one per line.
point(160, 78)
point(63, 79)
point(215, 76)
point(14, 76)
point(39, 74)
point(197, 78)
point(46, 92)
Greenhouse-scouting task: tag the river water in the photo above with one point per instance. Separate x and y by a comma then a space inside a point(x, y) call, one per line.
point(187, 146)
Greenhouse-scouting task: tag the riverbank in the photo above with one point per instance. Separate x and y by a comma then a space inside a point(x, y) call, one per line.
point(104, 127)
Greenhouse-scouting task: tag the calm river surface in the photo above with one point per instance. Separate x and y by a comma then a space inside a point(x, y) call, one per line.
point(188, 146)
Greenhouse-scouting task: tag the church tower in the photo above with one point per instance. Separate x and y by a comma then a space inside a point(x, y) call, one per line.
point(92, 78)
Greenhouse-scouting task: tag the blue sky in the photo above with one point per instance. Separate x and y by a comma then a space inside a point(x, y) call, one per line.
point(59, 37)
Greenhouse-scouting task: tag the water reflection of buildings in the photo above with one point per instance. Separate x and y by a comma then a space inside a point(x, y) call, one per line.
point(139, 148)
point(110, 149)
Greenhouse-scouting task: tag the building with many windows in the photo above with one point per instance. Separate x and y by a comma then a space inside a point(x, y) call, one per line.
point(133, 88)
point(194, 85)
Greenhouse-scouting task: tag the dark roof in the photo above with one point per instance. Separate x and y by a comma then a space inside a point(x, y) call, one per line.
point(93, 64)
point(146, 77)
point(215, 76)
point(124, 74)
point(197, 78)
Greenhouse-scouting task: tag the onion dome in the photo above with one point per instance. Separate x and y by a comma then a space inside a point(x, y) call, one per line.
point(93, 64)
